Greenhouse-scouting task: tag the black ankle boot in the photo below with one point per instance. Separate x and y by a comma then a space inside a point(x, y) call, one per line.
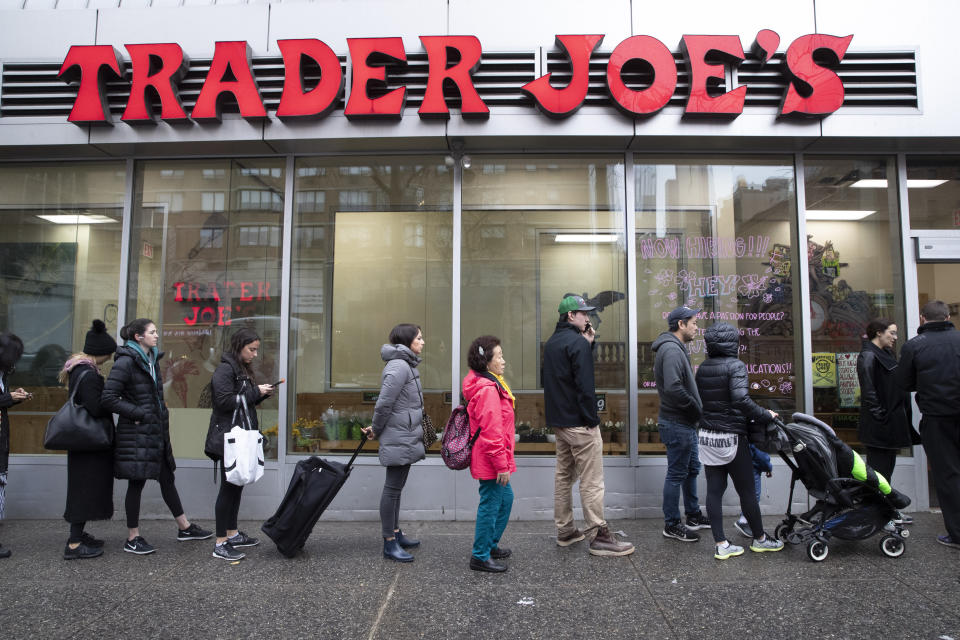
point(392, 550)
point(405, 542)
point(486, 565)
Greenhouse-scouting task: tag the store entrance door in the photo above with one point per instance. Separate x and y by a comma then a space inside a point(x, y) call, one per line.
point(939, 280)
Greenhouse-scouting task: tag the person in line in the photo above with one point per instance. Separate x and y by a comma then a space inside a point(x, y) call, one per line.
point(490, 405)
point(11, 348)
point(142, 449)
point(570, 408)
point(680, 411)
point(398, 424)
point(233, 378)
point(761, 466)
point(729, 417)
point(89, 473)
point(930, 365)
point(885, 415)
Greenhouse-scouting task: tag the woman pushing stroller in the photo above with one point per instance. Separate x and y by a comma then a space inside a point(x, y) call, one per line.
point(724, 437)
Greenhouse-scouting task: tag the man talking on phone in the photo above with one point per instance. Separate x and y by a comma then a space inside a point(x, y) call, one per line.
point(571, 411)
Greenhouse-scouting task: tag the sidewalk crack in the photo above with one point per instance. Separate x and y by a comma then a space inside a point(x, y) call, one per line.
point(383, 607)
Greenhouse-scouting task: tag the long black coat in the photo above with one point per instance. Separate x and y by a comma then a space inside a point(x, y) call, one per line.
point(89, 473)
point(724, 387)
point(227, 381)
point(884, 406)
point(6, 401)
point(130, 392)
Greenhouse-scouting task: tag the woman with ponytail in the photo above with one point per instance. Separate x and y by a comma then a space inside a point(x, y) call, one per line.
point(142, 450)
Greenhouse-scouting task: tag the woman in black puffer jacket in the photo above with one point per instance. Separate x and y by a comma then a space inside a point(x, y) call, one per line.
point(725, 431)
point(142, 450)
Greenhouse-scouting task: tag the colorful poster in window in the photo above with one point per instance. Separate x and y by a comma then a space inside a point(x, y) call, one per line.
point(824, 370)
point(848, 386)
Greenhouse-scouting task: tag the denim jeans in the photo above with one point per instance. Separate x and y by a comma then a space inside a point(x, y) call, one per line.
point(496, 501)
point(683, 466)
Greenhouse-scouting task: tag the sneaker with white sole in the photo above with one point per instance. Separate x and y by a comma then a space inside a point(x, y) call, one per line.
point(729, 551)
point(680, 532)
point(226, 551)
point(902, 518)
point(946, 540)
point(193, 532)
point(767, 544)
point(138, 546)
point(743, 528)
point(698, 521)
point(243, 540)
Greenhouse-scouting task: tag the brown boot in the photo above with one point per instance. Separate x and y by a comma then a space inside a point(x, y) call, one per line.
point(605, 544)
point(567, 539)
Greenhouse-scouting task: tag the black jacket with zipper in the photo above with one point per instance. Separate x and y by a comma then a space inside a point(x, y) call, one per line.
point(930, 365)
point(884, 407)
point(137, 397)
point(569, 394)
point(227, 382)
point(724, 387)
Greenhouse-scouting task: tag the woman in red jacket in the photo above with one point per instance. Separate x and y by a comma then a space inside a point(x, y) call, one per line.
point(490, 406)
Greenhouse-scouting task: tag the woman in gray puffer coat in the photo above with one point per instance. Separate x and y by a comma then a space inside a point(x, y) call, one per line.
point(397, 423)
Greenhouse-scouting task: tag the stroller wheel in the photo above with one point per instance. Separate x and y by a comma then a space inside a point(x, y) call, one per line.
point(817, 550)
point(782, 531)
point(892, 546)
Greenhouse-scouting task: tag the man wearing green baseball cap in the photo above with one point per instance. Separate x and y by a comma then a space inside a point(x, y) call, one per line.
point(570, 408)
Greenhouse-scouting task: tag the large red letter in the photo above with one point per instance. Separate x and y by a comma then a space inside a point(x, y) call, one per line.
point(319, 101)
point(360, 105)
point(434, 106)
point(173, 66)
point(233, 57)
point(83, 64)
point(696, 49)
point(658, 94)
point(823, 87)
point(560, 103)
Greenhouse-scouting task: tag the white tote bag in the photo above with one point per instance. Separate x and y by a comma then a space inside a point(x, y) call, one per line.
point(242, 448)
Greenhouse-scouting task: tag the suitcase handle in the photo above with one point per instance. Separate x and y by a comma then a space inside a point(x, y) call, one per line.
point(356, 451)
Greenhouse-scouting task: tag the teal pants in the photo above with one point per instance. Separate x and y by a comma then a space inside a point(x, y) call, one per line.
point(496, 501)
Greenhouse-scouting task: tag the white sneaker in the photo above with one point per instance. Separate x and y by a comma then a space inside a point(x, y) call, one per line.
point(729, 551)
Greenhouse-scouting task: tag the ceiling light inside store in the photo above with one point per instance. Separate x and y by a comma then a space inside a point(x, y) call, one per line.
point(586, 237)
point(824, 214)
point(77, 219)
point(911, 184)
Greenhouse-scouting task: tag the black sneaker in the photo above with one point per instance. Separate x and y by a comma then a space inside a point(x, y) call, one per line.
point(226, 551)
point(902, 518)
point(4, 552)
point(138, 546)
point(243, 540)
point(680, 532)
point(744, 529)
point(83, 550)
point(90, 541)
point(193, 532)
point(698, 521)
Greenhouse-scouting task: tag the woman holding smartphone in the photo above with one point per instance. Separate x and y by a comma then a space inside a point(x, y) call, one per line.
point(11, 348)
point(142, 449)
point(232, 381)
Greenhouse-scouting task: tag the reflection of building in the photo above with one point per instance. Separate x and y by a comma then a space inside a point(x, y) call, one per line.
point(322, 233)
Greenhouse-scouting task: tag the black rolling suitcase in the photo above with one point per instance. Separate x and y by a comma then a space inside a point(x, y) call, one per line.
point(314, 485)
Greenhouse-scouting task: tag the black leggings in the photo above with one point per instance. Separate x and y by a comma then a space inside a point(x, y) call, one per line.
point(167, 489)
point(228, 505)
point(740, 469)
point(390, 498)
point(76, 532)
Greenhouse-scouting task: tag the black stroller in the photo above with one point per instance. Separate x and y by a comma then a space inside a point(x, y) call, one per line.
point(853, 502)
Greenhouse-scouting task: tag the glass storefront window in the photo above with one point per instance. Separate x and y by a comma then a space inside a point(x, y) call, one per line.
point(933, 191)
point(535, 230)
point(205, 259)
point(372, 248)
point(718, 234)
point(853, 247)
point(59, 269)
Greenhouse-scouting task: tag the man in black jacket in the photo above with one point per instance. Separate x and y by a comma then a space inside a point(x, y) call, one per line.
point(680, 411)
point(930, 365)
point(570, 405)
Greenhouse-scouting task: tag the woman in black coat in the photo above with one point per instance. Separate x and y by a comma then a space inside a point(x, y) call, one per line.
point(89, 473)
point(11, 348)
point(233, 378)
point(885, 423)
point(729, 416)
point(142, 450)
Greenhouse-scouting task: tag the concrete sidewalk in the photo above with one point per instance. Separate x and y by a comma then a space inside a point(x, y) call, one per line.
point(342, 588)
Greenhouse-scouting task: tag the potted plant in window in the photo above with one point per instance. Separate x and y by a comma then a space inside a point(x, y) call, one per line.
point(654, 430)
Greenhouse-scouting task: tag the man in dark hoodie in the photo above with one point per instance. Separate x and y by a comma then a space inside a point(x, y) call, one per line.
point(680, 411)
point(570, 407)
point(930, 365)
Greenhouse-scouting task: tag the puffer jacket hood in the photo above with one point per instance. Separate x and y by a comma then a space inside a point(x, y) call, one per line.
point(723, 339)
point(390, 352)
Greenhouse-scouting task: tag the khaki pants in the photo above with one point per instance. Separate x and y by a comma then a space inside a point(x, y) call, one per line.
point(579, 455)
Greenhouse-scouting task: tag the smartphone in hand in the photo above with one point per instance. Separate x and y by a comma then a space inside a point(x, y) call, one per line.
point(278, 382)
